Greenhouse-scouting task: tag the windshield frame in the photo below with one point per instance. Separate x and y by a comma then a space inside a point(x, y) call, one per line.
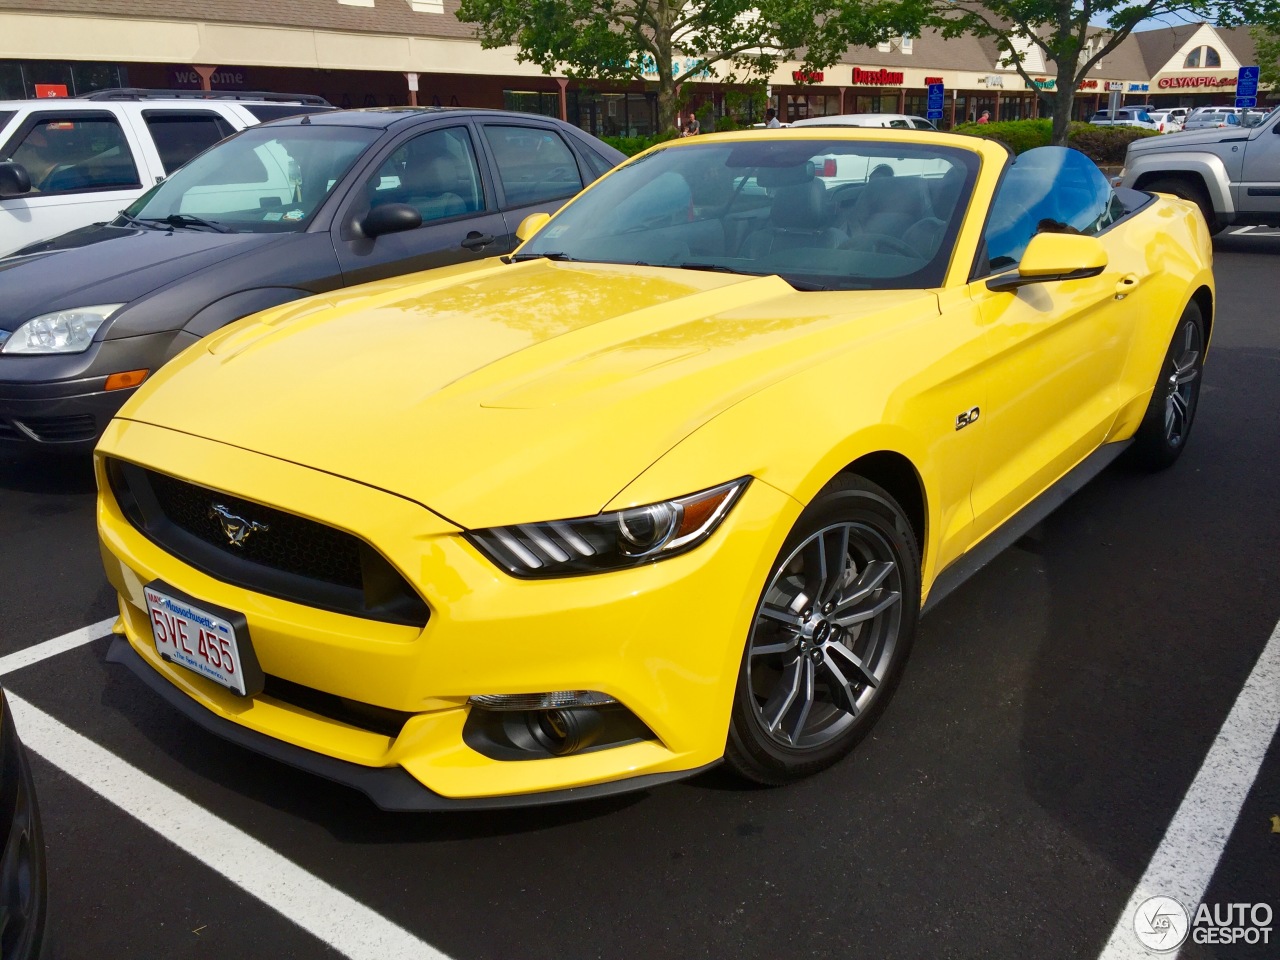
point(365, 138)
point(871, 150)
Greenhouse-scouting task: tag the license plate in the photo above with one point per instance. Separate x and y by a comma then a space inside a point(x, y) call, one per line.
point(207, 640)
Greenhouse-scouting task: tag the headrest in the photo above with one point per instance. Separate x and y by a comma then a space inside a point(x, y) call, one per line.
point(800, 206)
point(436, 175)
point(770, 177)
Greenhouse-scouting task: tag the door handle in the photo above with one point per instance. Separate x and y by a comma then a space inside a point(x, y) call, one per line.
point(476, 240)
point(1127, 285)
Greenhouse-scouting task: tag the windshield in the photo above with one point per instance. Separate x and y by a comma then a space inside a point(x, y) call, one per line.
point(266, 180)
point(820, 213)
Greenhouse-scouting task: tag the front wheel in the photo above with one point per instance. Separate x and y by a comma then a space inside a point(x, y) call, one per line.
point(1166, 425)
point(830, 635)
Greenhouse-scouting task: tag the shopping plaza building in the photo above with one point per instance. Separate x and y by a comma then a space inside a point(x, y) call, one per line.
point(390, 52)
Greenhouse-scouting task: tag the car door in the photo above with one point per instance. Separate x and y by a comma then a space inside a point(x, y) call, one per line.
point(84, 168)
point(437, 173)
point(1057, 349)
point(535, 169)
point(180, 134)
point(1259, 189)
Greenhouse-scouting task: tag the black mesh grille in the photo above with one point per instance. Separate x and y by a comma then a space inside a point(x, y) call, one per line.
point(285, 542)
point(283, 555)
point(80, 426)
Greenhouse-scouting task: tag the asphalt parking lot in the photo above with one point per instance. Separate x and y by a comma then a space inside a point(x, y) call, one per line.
point(1014, 801)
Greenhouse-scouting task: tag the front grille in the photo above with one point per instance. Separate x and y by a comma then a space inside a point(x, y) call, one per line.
point(284, 555)
point(81, 426)
point(286, 542)
point(353, 713)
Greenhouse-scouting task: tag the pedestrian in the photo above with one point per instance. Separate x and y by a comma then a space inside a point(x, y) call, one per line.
point(693, 127)
point(771, 119)
point(986, 117)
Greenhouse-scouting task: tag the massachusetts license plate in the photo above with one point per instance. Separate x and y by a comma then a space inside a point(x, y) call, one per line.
point(200, 639)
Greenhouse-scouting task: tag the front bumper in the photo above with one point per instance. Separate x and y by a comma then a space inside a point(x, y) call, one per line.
point(665, 640)
point(60, 403)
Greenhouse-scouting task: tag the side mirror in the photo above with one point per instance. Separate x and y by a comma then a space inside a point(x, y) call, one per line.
point(1055, 256)
point(531, 225)
point(390, 218)
point(14, 179)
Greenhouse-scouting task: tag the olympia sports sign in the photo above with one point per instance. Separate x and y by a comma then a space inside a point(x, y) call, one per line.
point(1171, 83)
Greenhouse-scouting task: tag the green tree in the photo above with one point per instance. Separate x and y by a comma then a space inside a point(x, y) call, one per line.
point(677, 41)
point(1062, 31)
point(1267, 41)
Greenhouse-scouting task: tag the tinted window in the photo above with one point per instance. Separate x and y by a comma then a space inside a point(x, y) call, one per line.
point(264, 180)
point(436, 173)
point(922, 124)
point(534, 164)
point(180, 136)
point(1047, 190)
point(65, 155)
point(5, 117)
point(597, 164)
point(276, 111)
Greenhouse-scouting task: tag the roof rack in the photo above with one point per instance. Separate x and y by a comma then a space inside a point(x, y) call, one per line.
point(141, 93)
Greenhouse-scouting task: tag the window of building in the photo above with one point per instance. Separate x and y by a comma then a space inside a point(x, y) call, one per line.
point(1193, 60)
point(1211, 58)
point(884, 47)
point(907, 44)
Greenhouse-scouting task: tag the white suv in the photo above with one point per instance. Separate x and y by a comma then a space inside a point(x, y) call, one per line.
point(67, 163)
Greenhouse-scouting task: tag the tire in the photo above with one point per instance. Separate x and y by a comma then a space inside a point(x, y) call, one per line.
point(1189, 189)
point(812, 683)
point(1162, 435)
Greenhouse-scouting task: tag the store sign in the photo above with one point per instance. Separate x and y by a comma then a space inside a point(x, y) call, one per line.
point(876, 78)
point(1045, 83)
point(45, 91)
point(807, 76)
point(1088, 85)
point(224, 78)
point(992, 81)
point(1178, 83)
point(1115, 86)
point(930, 81)
point(1139, 87)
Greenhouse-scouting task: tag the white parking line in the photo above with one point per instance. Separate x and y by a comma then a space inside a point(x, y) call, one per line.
point(1184, 862)
point(51, 648)
point(1239, 230)
point(325, 912)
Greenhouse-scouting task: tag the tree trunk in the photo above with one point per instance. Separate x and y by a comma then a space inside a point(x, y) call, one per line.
point(1064, 99)
point(666, 98)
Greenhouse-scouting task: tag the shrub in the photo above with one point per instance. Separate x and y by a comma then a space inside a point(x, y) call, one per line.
point(633, 145)
point(1102, 145)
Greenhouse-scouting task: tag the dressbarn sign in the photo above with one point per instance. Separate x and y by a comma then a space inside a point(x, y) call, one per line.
point(876, 78)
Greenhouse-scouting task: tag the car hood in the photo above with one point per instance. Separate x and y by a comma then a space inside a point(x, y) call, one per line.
point(1187, 138)
point(105, 264)
point(499, 393)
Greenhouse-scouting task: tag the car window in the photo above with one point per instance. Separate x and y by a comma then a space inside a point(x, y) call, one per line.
point(822, 214)
point(74, 153)
point(535, 165)
point(1047, 190)
point(899, 124)
point(263, 180)
point(922, 124)
point(597, 164)
point(435, 173)
point(5, 117)
point(179, 136)
point(1144, 117)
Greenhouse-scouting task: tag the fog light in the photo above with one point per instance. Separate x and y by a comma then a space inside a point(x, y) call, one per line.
point(563, 732)
point(559, 700)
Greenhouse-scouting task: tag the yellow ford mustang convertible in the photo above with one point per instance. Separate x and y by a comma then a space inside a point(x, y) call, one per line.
point(670, 485)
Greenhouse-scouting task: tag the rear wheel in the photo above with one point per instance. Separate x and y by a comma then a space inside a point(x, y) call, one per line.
point(830, 636)
point(1188, 189)
point(1165, 427)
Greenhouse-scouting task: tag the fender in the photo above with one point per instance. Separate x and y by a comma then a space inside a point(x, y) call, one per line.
point(229, 309)
point(1203, 164)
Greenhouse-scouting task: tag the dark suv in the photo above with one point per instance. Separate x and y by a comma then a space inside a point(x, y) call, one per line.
point(280, 211)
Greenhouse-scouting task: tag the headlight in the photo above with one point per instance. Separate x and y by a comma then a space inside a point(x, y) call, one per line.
point(63, 331)
point(609, 541)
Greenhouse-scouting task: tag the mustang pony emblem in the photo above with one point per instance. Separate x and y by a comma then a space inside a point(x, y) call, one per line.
point(236, 529)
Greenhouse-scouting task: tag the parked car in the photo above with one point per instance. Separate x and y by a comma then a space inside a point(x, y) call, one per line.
point(1231, 173)
point(1166, 121)
point(67, 163)
point(1204, 118)
point(281, 211)
point(900, 121)
point(668, 486)
point(23, 874)
point(1125, 117)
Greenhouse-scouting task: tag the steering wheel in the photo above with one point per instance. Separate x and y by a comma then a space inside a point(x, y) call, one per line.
point(882, 243)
